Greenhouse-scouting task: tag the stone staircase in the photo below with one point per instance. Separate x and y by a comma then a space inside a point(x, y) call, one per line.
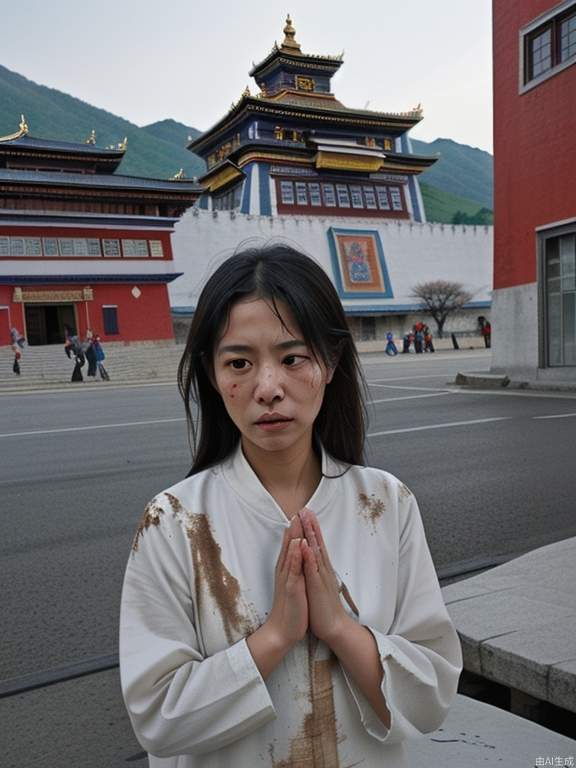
point(47, 366)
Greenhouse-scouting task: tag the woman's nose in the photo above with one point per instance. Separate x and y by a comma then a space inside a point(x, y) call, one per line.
point(269, 384)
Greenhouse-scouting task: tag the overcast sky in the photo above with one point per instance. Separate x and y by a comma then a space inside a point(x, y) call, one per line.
point(147, 61)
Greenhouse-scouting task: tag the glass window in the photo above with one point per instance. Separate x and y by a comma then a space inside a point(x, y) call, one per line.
point(287, 192)
point(343, 196)
point(135, 249)
point(383, 202)
point(156, 250)
point(66, 246)
point(560, 286)
point(4, 246)
point(568, 38)
point(329, 195)
point(17, 246)
point(50, 246)
point(301, 193)
point(110, 320)
point(396, 197)
point(356, 195)
point(370, 197)
point(33, 246)
point(111, 248)
point(541, 53)
point(94, 247)
point(314, 192)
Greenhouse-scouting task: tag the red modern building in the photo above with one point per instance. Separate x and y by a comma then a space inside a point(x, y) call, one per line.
point(83, 246)
point(534, 301)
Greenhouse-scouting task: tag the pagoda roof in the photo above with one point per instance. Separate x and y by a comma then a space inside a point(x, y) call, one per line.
point(290, 54)
point(310, 108)
point(36, 145)
point(112, 181)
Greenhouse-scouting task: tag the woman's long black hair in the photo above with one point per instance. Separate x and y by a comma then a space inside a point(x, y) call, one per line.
point(276, 272)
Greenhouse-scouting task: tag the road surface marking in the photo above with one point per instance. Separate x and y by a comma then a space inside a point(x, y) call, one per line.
point(418, 389)
point(438, 426)
point(84, 429)
point(556, 416)
point(408, 397)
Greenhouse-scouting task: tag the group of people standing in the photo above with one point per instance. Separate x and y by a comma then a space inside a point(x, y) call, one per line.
point(90, 351)
point(420, 337)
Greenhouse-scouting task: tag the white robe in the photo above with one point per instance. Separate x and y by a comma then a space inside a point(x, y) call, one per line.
point(200, 579)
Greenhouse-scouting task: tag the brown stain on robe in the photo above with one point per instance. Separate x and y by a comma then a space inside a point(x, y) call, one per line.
point(152, 514)
point(371, 508)
point(316, 745)
point(210, 570)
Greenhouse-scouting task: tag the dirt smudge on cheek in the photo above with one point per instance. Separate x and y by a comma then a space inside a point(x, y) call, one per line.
point(371, 507)
point(210, 571)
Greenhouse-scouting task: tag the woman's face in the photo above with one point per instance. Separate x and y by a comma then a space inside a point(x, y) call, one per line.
point(271, 383)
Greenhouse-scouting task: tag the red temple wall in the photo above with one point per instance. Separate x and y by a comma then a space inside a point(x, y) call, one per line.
point(534, 148)
point(146, 318)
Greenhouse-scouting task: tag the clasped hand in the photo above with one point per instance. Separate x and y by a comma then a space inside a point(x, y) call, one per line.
point(307, 592)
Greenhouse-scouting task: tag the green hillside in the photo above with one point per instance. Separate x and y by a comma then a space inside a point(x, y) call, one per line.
point(442, 206)
point(52, 114)
point(460, 170)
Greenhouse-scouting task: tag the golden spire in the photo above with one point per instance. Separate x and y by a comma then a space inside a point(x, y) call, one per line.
point(179, 176)
point(289, 42)
point(247, 91)
point(92, 138)
point(123, 144)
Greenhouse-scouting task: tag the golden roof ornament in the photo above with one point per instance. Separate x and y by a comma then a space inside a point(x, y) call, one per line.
point(290, 44)
point(23, 130)
point(123, 144)
point(92, 138)
point(179, 176)
point(247, 91)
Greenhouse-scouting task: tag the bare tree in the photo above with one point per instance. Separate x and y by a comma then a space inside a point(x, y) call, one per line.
point(441, 298)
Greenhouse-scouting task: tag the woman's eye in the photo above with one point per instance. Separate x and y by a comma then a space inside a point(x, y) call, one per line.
point(292, 360)
point(239, 364)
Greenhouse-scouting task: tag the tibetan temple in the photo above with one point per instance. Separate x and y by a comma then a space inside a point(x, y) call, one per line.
point(81, 245)
point(293, 148)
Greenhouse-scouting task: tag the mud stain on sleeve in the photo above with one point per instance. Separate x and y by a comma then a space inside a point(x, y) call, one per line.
point(371, 507)
point(210, 571)
point(152, 515)
point(403, 491)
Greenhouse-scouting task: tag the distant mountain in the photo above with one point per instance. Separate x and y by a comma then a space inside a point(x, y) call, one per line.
point(157, 151)
point(461, 180)
point(444, 207)
point(461, 170)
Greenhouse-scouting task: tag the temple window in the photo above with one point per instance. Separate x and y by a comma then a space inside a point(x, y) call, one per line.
point(383, 202)
point(279, 133)
point(287, 192)
point(301, 195)
point(388, 145)
point(228, 201)
point(396, 197)
point(548, 45)
point(329, 196)
point(314, 191)
point(370, 197)
point(557, 256)
point(304, 83)
point(343, 196)
point(356, 195)
point(110, 319)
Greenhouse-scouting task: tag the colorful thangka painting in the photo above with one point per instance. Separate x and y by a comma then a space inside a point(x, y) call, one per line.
point(358, 262)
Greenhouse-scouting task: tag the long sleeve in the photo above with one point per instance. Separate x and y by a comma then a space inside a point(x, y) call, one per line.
point(180, 701)
point(420, 654)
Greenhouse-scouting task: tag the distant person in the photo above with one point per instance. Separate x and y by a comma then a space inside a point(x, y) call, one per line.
point(100, 357)
point(487, 334)
point(418, 339)
point(18, 342)
point(90, 354)
point(406, 341)
point(428, 340)
point(391, 348)
point(75, 352)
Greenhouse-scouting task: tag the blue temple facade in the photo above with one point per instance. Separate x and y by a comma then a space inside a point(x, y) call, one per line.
point(292, 148)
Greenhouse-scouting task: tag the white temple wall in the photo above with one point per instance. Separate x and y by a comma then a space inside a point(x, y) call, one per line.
point(413, 253)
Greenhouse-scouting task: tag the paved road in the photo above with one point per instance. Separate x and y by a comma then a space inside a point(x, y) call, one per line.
point(493, 473)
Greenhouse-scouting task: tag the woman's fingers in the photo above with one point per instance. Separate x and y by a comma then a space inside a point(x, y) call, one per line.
point(314, 536)
point(293, 531)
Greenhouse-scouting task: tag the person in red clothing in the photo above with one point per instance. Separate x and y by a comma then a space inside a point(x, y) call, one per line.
point(487, 334)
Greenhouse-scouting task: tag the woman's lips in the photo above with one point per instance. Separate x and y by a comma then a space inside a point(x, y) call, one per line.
point(272, 424)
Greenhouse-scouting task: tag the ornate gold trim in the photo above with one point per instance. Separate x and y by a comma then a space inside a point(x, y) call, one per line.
point(344, 162)
point(23, 131)
point(222, 177)
point(26, 296)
